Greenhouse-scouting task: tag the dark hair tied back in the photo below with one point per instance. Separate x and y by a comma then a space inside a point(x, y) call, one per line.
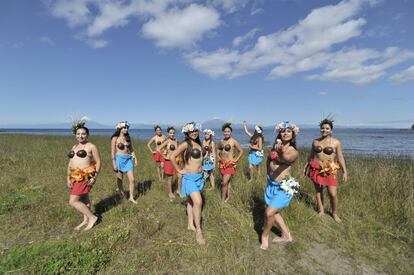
point(170, 128)
point(329, 120)
point(226, 125)
point(156, 127)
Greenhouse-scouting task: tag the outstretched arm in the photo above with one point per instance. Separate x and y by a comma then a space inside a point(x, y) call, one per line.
point(245, 129)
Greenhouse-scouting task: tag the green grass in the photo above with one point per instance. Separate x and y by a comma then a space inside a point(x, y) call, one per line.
point(376, 206)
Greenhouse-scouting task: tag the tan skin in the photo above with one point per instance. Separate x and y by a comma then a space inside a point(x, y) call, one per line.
point(194, 200)
point(326, 140)
point(255, 147)
point(277, 170)
point(212, 150)
point(158, 138)
point(129, 149)
point(82, 203)
point(228, 155)
point(167, 153)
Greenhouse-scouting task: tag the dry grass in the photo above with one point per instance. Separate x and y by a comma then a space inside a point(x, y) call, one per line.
point(376, 206)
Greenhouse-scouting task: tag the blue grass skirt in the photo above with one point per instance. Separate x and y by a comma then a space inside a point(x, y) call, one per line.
point(192, 183)
point(124, 162)
point(255, 157)
point(208, 165)
point(274, 196)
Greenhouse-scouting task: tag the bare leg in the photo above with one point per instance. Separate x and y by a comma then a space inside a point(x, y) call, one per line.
point(250, 172)
point(132, 187)
point(225, 188)
point(211, 178)
point(85, 200)
point(158, 166)
point(75, 202)
point(190, 216)
point(333, 196)
point(179, 180)
point(285, 235)
point(269, 219)
point(197, 206)
point(119, 183)
point(162, 170)
point(319, 198)
point(169, 186)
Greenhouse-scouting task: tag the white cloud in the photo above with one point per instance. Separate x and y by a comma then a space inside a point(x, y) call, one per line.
point(76, 12)
point(172, 23)
point(181, 28)
point(240, 39)
point(97, 43)
point(404, 76)
point(307, 46)
point(323, 93)
point(47, 40)
point(256, 11)
point(229, 6)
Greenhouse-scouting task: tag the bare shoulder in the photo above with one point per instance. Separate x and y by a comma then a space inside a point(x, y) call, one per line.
point(91, 146)
point(336, 142)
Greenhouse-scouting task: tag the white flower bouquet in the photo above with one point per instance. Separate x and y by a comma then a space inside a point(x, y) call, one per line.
point(290, 185)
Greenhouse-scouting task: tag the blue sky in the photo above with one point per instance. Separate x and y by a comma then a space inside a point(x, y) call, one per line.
point(173, 61)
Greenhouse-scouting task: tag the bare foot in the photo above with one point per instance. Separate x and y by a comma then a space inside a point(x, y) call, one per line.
point(171, 196)
point(283, 239)
point(227, 199)
point(265, 242)
point(133, 201)
point(91, 223)
point(191, 227)
point(336, 218)
point(85, 222)
point(122, 192)
point(321, 213)
point(200, 238)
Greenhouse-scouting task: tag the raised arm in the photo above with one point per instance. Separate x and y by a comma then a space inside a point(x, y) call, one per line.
point(341, 161)
point(286, 155)
point(245, 129)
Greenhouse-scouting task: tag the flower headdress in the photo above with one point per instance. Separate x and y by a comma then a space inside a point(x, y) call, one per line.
point(191, 127)
point(78, 123)
point(209, 131)
point(122, 124)
point(286, 124)
point(258, 129)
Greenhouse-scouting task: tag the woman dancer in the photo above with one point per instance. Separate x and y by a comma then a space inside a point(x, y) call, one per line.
point(256, 148)
point(158, 138)
point(209, 160)
point(193, 181)
point(324, 161)
point(83, 169)
point(280, 185)
point(167, 148)
point(227, 159)
point(123, 154)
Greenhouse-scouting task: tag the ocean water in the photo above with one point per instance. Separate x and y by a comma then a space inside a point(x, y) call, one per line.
point(385, 142)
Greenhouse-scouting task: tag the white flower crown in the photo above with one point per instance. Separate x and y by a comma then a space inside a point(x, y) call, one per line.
point(191, 127)
point(257, 128)
point(286, 124)
point(122, 124)
point(209, 131)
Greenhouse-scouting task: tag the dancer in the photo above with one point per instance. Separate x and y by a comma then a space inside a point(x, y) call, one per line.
point(324, 161)
point(158, 139)
point(209, 160)
point(167, 148)
point(123, 155)
point(280, 185)
point(227, 159)
point(83, 169)
point(256, 143)
point(193, 181)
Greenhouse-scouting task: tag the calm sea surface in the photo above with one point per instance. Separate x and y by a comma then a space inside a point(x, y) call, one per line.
point(386, 142)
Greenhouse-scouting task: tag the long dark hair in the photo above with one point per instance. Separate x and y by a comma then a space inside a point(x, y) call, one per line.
point(292, 142)
point(187, 152)
point(256, 135)
point(118, 132)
